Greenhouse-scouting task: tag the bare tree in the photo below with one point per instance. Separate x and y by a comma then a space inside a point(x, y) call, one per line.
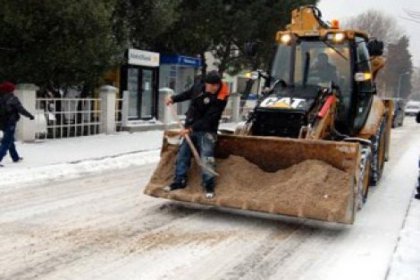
point(377, 24)
point(385, 28)
point(412, 15)
point(415, 80)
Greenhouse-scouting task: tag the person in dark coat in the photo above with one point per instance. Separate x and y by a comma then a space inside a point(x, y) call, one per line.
point(10, 111)
point(323, 69)
point(208, 101)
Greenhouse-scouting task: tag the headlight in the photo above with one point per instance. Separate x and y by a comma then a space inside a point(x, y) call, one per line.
point(286, 39)
point(338, 37)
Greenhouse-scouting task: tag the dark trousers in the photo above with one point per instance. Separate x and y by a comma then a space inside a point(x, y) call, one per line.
point(8, 142)
point(205, 143)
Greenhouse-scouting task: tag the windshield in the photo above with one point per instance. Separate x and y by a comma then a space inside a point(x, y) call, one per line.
point(311, 64)
point(315, 63)
point(322, 63)
point(282, 63)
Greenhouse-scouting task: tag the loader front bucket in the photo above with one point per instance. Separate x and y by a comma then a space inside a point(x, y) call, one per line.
point(293, 177)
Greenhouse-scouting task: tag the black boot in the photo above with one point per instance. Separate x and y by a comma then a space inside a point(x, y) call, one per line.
point(209, 191)
point(176, 185)
point(18, 160)
point(417, 196)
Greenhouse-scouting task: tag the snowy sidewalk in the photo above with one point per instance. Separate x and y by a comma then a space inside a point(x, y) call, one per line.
point(73, 157)
point(50, 160)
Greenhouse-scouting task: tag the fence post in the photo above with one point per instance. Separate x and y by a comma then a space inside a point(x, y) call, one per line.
point(26, 129)
point(108, 100)
point(165, 115)
point(236, 106)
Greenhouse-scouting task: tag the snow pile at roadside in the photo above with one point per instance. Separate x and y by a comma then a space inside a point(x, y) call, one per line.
point(59, 159)
point(67, 158)
point(66, 150)
point(67, 171)
point(406, 260)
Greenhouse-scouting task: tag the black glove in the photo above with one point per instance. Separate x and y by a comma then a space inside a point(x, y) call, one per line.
point(31, 118)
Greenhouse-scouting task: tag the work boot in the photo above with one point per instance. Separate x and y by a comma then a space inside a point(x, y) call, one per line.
point(176, 185)
point(209, 191)
point(210, 195)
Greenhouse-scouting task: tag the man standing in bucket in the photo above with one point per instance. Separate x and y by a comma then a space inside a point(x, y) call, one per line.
point(208, 101)
point(10, 111)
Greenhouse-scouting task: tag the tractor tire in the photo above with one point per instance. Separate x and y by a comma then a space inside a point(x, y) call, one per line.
point(364, 178)
point(378, 154)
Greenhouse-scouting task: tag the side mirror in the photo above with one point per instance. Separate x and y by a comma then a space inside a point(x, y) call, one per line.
point(250, 49)
point(375, 48)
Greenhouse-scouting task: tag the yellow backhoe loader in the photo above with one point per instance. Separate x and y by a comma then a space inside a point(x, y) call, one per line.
point(317, 138)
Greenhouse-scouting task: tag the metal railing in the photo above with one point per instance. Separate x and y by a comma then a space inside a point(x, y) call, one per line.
point(118, 114)
point(74, 117)
point(68, 117)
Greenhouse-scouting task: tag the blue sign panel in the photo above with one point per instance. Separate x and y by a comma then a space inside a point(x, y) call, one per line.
point(181, 60)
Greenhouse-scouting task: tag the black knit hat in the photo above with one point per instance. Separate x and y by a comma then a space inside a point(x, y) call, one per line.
point(212, 77)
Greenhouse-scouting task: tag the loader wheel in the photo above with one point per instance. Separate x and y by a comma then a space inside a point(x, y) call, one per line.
point(378, 154)
point(366, 181)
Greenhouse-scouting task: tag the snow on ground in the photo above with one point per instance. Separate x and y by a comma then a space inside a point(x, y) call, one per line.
point(48, 152)
point(74, 157)
point(68, 158)
point(405, 264)
point(53, 160)
point(406, 259)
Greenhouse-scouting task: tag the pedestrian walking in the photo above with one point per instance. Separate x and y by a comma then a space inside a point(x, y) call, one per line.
point(10, 111)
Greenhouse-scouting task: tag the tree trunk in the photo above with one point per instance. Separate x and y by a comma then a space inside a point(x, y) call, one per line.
point(204, 66)
point(224, 60)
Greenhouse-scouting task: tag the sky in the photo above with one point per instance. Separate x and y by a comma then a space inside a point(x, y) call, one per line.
point(343, 9)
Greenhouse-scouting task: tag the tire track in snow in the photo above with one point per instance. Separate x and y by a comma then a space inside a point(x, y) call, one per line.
point(66, 243)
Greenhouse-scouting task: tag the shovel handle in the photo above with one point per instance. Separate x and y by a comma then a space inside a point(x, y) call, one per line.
point(190, 143)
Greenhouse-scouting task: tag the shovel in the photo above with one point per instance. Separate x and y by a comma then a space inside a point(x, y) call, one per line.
point(190, 143)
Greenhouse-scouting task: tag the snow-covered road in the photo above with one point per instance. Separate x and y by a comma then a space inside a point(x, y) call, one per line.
point(103, 227)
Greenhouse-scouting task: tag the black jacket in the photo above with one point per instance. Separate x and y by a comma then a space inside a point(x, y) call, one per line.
point(13, 109)
point(205, 109)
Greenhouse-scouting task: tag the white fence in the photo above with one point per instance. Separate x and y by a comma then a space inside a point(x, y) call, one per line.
point(68, 117)
point(74, 117)
point(71, 117)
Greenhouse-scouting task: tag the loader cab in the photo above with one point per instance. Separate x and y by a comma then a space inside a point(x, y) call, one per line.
point(312, 62)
